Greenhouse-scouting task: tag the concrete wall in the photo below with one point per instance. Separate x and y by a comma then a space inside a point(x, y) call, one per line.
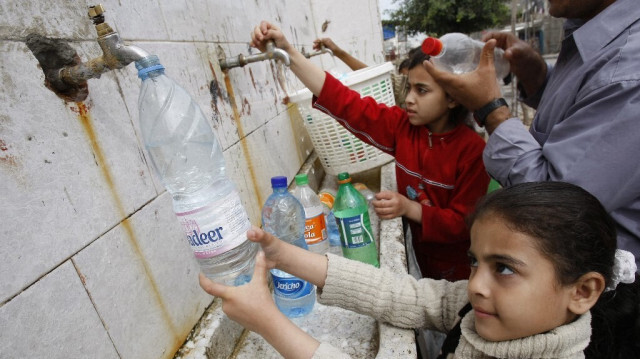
point(92, 261)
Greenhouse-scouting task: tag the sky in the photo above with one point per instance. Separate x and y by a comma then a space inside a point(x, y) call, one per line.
point(386, 5)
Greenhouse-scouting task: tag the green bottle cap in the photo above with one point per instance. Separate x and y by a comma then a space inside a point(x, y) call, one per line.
point(344, 177)
point(302, 179)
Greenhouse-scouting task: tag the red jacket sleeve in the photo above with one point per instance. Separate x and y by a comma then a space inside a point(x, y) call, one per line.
point(373, 123)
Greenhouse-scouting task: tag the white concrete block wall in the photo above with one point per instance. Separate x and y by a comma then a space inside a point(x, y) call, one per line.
point(92, 260)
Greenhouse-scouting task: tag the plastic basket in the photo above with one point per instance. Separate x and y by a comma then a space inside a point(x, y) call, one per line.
point(338, 149)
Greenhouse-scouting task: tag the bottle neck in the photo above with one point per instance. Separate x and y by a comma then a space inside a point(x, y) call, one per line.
point(280, 190)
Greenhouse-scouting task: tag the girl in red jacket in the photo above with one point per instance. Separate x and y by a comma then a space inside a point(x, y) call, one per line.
point(439, 169)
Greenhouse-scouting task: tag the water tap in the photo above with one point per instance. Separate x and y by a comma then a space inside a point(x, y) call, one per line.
point(115, 54)
point(272, 52)
point(323, 50)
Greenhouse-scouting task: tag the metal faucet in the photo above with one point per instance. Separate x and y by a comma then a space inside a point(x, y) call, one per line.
point(323, 50)
point(115, 54)
point(272, 53)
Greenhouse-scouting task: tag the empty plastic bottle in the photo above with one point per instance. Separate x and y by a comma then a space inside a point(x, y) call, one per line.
point(327, 198)
point(458, 53)
point(283, 216)
point(351, 211)
point(315, 231)
point(186, 155)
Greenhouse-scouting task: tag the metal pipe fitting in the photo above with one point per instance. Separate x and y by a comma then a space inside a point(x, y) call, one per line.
point(323, 50)
point(272, 52)
point(115, 54)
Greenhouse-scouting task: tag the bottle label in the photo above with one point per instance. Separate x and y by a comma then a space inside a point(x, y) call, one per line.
point(217, 227)
point(315, 229)
point(290, 287)
point(355, 231)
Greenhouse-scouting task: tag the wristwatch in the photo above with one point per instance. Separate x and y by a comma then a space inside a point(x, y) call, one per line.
point(480, 115)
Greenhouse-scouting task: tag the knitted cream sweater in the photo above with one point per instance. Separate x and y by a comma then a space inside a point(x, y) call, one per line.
point(434, 304)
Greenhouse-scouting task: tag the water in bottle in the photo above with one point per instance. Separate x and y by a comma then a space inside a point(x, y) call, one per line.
point(283, 216)
point(315, 231)
point(327, 197)
point(458, 53)
point(351, 211)
point(186, 154)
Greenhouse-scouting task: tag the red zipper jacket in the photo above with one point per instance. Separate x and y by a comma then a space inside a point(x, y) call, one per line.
point(444, 172)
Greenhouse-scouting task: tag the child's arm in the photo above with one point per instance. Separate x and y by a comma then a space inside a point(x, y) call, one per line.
point(311, 75)
point(352, 62)
point(252, 306)
point(390, 204)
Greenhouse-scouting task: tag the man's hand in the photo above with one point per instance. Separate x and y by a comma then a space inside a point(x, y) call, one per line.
point(474, 89)
point(525, 62)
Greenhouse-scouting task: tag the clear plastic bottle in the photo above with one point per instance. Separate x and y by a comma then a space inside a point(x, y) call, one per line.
point(327, 198)
point(315, 231)
point(458, 53)
point(368, 194)
point(283, 216)
point(185, 153)
point(351, 211)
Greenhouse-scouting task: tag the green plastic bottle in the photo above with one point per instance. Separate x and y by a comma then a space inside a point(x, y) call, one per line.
point(352, 213)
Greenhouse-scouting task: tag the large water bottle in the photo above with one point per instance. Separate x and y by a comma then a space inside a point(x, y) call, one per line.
point(327, 197)
point(315, 231)
point(187, 157)
point(352, 211)
point(458, 53)
point(283, 216)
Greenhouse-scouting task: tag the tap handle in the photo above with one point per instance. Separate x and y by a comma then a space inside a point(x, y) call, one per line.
point(96, 14)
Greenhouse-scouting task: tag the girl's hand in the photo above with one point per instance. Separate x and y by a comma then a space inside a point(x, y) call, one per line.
point(251, 304)
point(389, 205)
point(271, 245)
point(266, 32)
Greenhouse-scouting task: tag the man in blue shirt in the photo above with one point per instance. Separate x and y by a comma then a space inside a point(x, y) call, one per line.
point(587, 126)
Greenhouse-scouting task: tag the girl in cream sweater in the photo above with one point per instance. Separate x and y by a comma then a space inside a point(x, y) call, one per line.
point(543, 284)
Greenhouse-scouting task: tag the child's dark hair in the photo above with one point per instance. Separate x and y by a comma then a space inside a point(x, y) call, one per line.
point(578, 235)
point(459, 113)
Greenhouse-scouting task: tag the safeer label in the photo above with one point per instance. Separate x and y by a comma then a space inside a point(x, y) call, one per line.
point(355, 231)
point(217, 227)
point(315, 229)
point(290, 287)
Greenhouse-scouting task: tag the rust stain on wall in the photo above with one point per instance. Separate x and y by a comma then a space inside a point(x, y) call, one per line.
point(6, 158)
point(241, 134)
point(85, 119)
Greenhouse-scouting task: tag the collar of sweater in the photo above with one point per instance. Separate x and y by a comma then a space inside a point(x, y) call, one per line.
point(566, 341)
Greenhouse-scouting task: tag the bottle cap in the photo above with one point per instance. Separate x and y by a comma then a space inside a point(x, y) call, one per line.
point(327, 198)
point(360, 186)
point(431, 46)
point(344, 177)
point(302, 179)
point(279, 182)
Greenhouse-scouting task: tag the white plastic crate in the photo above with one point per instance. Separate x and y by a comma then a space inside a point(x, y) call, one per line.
point(338, 149)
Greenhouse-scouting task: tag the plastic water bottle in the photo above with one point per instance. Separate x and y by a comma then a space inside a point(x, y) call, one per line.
point(458, 53)
point(186, 155)
point(368, 194)
point(283, 216)
point(351, 211)
point(315, 231)
point(328, 198)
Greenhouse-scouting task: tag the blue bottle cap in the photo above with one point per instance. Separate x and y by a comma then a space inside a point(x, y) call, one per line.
point(279, 182)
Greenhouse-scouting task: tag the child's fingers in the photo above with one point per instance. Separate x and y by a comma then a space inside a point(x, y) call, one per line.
point(260, 270)
point(211, 287)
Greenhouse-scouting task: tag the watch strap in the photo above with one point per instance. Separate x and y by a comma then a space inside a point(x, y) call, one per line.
point(480, 115)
